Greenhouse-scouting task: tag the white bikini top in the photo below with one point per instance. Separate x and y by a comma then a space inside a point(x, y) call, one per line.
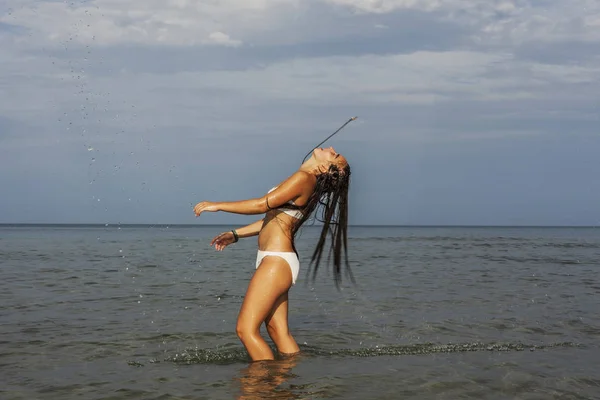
point(289, 211)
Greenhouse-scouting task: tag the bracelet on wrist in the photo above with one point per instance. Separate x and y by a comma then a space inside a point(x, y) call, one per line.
point(235, 235)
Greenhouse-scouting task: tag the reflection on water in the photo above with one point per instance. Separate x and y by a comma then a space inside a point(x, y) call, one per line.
point(267, 379)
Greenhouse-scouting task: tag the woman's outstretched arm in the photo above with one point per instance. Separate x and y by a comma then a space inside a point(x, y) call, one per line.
point(224, 239)
point(288, 190)
point(250, 230)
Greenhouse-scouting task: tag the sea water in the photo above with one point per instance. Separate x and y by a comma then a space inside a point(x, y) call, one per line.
point(149, 312)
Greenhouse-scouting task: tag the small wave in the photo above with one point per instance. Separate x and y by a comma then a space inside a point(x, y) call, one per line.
point(148, 266)
point(471, 239)
point(239, 355)
point(584, 245)
point(488, 241)
point(432, 348)
point(208, 356)
point(537, 260)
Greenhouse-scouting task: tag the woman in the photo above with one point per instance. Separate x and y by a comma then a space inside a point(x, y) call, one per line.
point(323, 179)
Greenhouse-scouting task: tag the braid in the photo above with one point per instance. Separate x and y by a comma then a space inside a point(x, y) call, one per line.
point(331, 196)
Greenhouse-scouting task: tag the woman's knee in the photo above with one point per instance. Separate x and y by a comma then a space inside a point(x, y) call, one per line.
point(241, 330)
point(272, 330)
point(245, 330)
point(277, 330)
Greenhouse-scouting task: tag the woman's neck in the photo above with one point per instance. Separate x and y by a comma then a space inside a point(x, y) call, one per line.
point(311, 166)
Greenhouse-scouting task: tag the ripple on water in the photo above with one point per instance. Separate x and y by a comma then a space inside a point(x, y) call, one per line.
point(239, 355)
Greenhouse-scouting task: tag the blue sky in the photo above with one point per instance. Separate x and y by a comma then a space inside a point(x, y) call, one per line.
point(471, 112)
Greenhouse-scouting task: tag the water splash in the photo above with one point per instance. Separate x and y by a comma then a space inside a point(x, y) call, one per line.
point(433, 348)
point(208, 356)
point(239, 355)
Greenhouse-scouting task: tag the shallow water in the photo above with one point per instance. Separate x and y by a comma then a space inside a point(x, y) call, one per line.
point(452, 313)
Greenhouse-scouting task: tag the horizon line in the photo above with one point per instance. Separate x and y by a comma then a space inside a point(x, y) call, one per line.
point(179, 225)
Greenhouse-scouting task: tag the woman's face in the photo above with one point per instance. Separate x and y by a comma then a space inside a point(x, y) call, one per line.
point(328, 156)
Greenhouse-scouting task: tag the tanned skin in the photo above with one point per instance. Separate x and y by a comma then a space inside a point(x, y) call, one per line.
point(266, 299)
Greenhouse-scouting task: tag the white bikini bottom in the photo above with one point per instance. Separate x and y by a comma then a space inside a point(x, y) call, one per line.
point(289, 256)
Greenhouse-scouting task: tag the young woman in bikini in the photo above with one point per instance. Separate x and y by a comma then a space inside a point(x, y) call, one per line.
point(322, 180)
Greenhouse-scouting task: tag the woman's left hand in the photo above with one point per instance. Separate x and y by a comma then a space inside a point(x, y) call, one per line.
point(203, 206)
point(223, 240)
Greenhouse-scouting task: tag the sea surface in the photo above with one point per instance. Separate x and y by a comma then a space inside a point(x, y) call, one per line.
point(149, 312)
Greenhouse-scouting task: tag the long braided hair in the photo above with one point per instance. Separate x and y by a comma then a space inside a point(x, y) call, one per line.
point(331, 195)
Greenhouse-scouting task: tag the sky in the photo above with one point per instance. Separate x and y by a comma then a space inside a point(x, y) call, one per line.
point(470, 112)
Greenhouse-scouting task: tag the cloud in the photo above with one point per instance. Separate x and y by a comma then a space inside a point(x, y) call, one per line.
point(156, 22)
point(158, 91)
point(224, 39)
point(230, 23)
point(460, 93)
point(118, 63)
point(505, 21)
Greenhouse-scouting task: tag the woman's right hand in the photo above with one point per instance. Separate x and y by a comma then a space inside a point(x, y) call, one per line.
point(222, 240)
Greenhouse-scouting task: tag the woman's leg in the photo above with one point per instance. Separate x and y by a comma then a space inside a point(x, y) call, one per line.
point(272, 278)
point(277, 326)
